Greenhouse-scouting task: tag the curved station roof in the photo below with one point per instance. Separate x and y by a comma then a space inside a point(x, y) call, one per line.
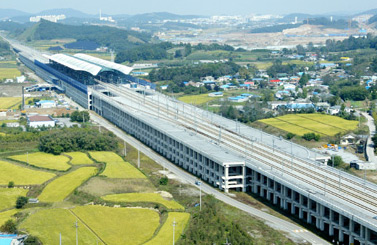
point(110, 65)
point(90, 64)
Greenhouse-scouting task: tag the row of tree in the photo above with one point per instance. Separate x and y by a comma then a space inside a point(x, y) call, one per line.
point(77, 139)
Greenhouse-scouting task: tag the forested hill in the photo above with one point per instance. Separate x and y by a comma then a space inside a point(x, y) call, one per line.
point(111, 37)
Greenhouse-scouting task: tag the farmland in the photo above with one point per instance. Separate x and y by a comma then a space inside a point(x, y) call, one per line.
point(301, 124)
point(44, 160)
point(21, 175)
point(8, 196)
point(115, 166)
point(196, 99)
point(47, 224)
point(165, 235)
point(61, 187)
point(6, 215)
point(11, 73)
point(8, 102)
point(120, 225)
point(79, 158)
point(143, 197)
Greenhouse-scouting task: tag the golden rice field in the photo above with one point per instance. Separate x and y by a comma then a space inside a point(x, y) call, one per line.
point(48, 223)
point(116, 168)
point(120, 225)
point(21, 175)
point(44, 160)
point(144, 197)
point(8, 102)
point(10, 73)
point(63, 186)
point(8, 196)
point(301, 124)
point(79, 158)
point(165, 235)
point(196, 99)
point(6, 215)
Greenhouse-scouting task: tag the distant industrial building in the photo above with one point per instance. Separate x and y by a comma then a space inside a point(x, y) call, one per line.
point(52, 18)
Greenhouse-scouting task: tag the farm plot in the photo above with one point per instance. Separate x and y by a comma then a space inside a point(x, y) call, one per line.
point(79, 158)
point(47, 224)
point(165, 235)
point(5, 216)
point(144, 197)
point(8, 196)
point(8, 102)
point(10, 73)
point(196, 99)
point(61, 187)
point(116, 168)
point(301, 124)
point(120, 225)
point(22, 176)
point(44, 160)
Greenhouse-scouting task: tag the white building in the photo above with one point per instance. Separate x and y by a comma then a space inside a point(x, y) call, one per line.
point(46, 104)
point(52, 18)
point(37, 121)
point(21, 79)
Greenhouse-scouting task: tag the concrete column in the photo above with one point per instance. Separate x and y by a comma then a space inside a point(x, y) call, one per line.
point(243, 179)
point(293, 208)
point(341, 236)
point(226, 178)
point(331, 216)
point(367, 234)
point(331, 229)
point(309, 218)
point(351, 239)
point(300, 212)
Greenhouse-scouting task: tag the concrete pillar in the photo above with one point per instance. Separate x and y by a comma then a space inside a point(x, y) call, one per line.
point(293, 208)
point(351, 239)
point(300, 213)
point(341, 236)
point(226, 178)
point(331, 229)
point(331, 216)
point(367, 234)
point(244, 179)
point(309, 218)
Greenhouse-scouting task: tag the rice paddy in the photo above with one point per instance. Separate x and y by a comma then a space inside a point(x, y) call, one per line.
point(44, 160)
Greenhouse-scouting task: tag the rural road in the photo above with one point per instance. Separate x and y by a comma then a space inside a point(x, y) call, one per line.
point(372, 131)
point(296, 233)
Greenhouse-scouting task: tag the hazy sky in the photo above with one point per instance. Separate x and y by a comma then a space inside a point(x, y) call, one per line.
point(202, 7)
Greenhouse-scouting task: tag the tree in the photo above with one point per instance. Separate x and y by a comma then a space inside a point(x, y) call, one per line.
point(337, 161)
point(80, 116)
point(304, 80)
point(21, 202)
point(311, 136)
point(32, 240)
point(9, 227)
point(373, 65)
point(164, 180)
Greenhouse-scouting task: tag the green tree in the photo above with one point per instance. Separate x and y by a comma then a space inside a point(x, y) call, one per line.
point(21, 202)
point(10, 184)
point(304, 80)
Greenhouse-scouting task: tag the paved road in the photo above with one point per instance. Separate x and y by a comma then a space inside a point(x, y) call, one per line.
point(372, 131)
point(295, 232)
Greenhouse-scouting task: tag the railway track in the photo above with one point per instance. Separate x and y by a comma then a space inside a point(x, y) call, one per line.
point(328, 183)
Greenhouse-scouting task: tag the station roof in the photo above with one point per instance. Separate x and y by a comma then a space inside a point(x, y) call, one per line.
point(105, 63)
point(76, 64)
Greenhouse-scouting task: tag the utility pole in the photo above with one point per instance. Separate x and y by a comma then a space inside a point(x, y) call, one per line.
point(60, 238)
point(220, 135)
point(77, 236)
point(174, 224)
point(125, 148)
point(200, 195)
point(138, 158)
point(27, 157)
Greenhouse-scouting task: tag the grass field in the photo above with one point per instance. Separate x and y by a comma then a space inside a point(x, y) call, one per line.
point(8, 102)
point(165, 235)
point(120, 225)
point(79, 158)
point(116, 168)
point(301, 124)
point(6, 215)
point(22, 176)
point(61, 187)
point(8, 196)
point(143, 197)
point(44, 160)
point(196, 99)
point(11, 73)
point(47, 224)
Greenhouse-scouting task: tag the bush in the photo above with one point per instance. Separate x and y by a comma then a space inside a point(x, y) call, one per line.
point(338, 161)
point(21, 201)
point(80, 116)
point(10, 184)
point(290, 135)
point(32, 240)
point(9, 227)
point(311, 136)
point(164, 181)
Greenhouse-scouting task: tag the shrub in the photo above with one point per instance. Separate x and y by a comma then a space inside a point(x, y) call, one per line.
point(9, 227)
point(290, 135)
point(164, 181)
point(21, 201)
point(311, 136)
point(32, 240)
point(10, 184)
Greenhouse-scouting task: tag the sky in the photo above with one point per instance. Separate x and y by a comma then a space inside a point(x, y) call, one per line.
point(200, 7)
